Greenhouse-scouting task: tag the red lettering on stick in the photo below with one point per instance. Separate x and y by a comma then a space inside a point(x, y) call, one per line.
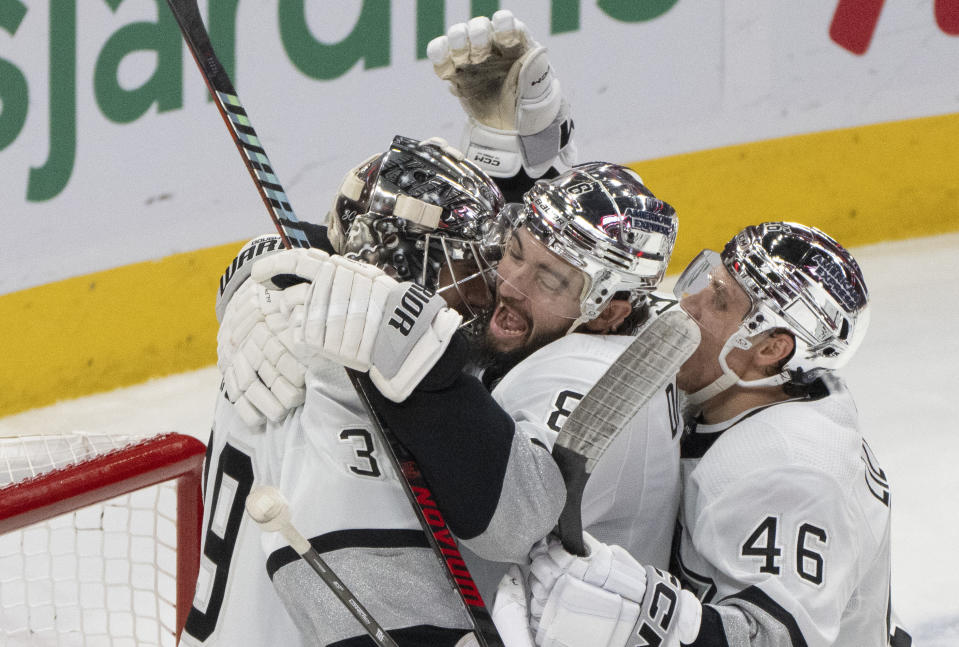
point(423, 496)
point(471, 594)
point(444, 537)
point(454, 560)
point(434, 517)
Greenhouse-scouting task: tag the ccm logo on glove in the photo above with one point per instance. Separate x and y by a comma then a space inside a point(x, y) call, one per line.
point(410, 308)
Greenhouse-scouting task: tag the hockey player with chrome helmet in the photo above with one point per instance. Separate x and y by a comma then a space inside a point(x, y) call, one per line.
point(799, 287)
point(419, 212)
point(575, 266)
point(582, 254)
point(403, 225)
point(415, 212)
point(785, 521)
point(487, 457)
point(575, 263)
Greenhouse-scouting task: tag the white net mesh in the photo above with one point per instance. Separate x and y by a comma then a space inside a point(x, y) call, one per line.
point(102, 575)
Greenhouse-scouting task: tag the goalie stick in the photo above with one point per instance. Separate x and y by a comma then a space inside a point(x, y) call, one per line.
point(188, 17)
point(626, 386)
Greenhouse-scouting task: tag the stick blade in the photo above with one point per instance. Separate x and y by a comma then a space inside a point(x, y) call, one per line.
point(644, 368)
point(650, 361)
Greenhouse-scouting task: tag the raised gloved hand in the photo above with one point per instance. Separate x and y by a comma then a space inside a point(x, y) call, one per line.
point(360, 317)
point(518, 118)
point(262, 376)
point(606, 599)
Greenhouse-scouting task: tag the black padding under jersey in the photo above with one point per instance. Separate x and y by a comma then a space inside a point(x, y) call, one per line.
point(449, 366)
point(900, 638)
point(695, 445)
point(514, 187)
point(711, 632)
point(316, 235)
point(460, 438)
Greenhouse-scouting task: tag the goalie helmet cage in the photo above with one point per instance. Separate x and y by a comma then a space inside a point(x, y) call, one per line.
point(99, 538)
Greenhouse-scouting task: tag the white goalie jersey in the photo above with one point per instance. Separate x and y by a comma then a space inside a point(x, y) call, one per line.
point(347, 500)
point(785, 525)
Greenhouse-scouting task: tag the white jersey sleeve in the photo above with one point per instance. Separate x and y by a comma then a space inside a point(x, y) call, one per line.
point(785, 527)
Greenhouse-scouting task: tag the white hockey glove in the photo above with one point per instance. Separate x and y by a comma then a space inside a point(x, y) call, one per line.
point(606, 599)
point(358, 316)
point(502, 77)
point(240, 267)
point(262, 377)
point(510, 611)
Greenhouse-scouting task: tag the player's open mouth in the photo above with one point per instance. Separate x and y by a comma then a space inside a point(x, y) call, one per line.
point(508, 323)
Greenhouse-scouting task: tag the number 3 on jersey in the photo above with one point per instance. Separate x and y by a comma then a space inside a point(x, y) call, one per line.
point(362, 441)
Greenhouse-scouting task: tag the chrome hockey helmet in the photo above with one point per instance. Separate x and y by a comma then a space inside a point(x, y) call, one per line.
point(602, 219)
point(413, 209)
point(798, 279)
point(805, 282)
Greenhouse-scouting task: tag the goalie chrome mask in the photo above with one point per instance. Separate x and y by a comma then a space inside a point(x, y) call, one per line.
point(797, 279)
point(414, 210)
point(600, 218)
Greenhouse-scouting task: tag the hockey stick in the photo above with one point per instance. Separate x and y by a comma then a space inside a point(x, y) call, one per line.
point(267, 506)
point(440, 538)
point(187, 15)
point(626, 386)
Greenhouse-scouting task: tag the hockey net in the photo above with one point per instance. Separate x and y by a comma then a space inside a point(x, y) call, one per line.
point(99, 538)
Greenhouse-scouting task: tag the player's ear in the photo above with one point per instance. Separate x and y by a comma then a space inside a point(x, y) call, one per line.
point(610, 319)
point(774, 350)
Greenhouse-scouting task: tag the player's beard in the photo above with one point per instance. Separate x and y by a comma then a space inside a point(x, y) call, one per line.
point(494, 363)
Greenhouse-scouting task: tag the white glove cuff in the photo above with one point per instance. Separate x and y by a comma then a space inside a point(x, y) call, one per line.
point(502, 153)
point(239, 270)
point(540, 98)
point(578, 613)
point(510, 612)
point(550, 146)
point(400, 380)
point(669, 615)
point(496, 152)
point(690, 617)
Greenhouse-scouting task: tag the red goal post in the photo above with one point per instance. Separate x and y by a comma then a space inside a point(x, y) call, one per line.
point(52, 486)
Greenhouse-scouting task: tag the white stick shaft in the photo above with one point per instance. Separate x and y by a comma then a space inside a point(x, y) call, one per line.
point(299, 543)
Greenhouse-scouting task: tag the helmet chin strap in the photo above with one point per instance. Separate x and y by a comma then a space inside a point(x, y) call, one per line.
point(585, 312)
point(577, 323)
point(730, 378)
